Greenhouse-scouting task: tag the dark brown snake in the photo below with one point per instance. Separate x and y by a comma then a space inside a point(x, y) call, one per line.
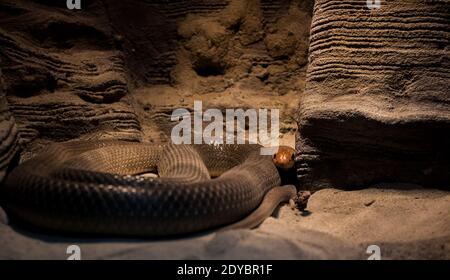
point(83, 187)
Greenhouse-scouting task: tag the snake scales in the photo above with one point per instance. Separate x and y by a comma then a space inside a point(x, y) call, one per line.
point(83, 187)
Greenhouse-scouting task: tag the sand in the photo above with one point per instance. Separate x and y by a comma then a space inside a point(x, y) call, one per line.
point(406, 223)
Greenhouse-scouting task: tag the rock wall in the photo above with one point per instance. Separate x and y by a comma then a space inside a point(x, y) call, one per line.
point(117, 69)
point(246, 54)
point(377, 104)
point(64, 77)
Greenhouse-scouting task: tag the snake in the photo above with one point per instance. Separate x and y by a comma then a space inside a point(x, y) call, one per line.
point(98, 187)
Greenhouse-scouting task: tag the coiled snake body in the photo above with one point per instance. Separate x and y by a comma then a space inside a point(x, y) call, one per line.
point(84, 187)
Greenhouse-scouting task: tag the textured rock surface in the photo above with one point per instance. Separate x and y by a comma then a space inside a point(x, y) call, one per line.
point(376, 107)
point(234, 57)
point(8, 133)
point(63, 75)
point(117, 69)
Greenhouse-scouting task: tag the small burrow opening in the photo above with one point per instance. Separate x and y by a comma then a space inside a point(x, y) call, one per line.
point(208, 67)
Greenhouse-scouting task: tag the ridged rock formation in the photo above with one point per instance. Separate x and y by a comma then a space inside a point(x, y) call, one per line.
point(377, 103)
point(63, 74)
point(8, 133)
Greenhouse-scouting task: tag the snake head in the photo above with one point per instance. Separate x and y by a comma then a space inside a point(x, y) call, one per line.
point(284, 158)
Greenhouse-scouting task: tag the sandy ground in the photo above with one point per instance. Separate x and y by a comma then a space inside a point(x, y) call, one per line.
point(406, 223)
